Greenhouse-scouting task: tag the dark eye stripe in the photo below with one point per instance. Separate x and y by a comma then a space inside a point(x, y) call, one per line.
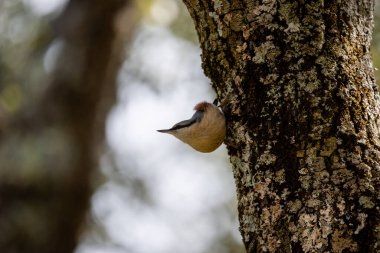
point(197, 117)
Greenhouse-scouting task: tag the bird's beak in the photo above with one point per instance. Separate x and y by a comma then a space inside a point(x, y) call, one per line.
point(164, 131)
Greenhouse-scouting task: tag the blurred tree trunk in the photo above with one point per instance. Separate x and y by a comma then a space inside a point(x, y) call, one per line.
point(303, 119)
point(49, 150)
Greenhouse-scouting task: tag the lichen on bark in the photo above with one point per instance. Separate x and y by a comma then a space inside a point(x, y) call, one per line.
point(303, 119)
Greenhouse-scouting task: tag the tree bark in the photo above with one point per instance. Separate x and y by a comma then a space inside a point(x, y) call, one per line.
point(302, 116)
point(49, 149)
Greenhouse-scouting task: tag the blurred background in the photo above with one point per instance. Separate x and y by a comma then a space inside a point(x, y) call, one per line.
point(153, 193)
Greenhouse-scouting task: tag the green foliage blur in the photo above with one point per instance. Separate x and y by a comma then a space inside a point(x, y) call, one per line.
point(24, 37)
point(375, 49)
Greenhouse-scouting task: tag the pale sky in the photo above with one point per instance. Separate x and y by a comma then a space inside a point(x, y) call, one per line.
point(43, 7)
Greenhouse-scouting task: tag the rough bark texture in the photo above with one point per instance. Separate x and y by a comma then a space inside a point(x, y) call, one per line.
point(50, 148)
point(303, 119)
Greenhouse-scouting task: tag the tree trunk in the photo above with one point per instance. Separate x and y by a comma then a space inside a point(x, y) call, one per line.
point(50, 148)
point(303, 119)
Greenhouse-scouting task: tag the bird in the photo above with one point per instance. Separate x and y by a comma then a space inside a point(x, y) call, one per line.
point(204, 131)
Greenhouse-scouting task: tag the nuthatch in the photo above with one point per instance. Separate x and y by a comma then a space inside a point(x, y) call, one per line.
point(205, 131)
